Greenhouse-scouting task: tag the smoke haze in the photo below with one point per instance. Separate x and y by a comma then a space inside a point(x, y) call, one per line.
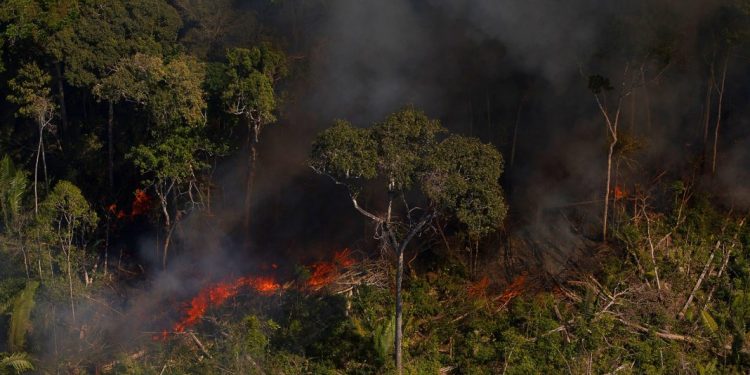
point(484, 67)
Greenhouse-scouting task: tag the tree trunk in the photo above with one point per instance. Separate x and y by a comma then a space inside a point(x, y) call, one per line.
point(167, 225)
point(167, 241)
point(609, 187)
point(707, 114)
point(44, 163)
point(168, 238)
point(70, 286)
point(251, 144)
point(36, 171)
point(515, 131)
point(399, 312)
point(110, 148)
point(106, 244)
point(25, 262)
point(612, 125)
point(718, 115)
point(39, 264)
point(399, 247)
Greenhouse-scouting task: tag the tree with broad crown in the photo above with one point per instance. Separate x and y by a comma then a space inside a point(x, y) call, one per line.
point(458, 178)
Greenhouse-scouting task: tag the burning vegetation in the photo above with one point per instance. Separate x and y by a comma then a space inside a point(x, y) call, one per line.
point(213, 296)
point(142, 203)
point(566, 190)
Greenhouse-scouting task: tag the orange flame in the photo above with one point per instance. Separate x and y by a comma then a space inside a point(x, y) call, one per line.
point(343, 258)
point(215, 295)
point(141, 205)
point(479, 288)
point(513, 290)
point(324, 273)
point(619, 193)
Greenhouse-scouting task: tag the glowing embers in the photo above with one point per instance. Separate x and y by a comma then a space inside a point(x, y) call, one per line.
point(325, 273)
point(513, 290)
point(479, 288)
point(141, 203)
point(620, 193)
point(140, 206)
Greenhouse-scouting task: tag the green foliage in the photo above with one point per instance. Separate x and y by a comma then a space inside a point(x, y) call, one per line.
point(250, 75)
point(90, 37)
point(171, 107)
point(172, 94)
point(458, 175)
point(20, 322)
point(255, 340)
point(383, 339)
point(13, 184)
point(170, 91)
point(346, 151)
point(18, 362)
point(35, 20)
point(30, 90)
point(99, 35)
point(319, 328)
point(709, 322)
point(463, 180)
point(405, 140)
point(172, 156)
point(66, 213)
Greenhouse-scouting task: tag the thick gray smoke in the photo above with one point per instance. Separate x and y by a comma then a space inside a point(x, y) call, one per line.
point(473, 63)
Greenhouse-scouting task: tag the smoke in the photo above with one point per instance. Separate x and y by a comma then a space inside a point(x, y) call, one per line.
point(548, 38)
point(481, 66)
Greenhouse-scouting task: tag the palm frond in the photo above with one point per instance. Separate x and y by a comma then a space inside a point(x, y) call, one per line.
point(20, 362)
point(13, 185)
point(20, 320)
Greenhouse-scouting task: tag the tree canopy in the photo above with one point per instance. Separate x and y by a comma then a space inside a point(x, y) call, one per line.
point(459, 176)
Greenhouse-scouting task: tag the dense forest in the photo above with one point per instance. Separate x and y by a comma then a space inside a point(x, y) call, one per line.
point(374, 187)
